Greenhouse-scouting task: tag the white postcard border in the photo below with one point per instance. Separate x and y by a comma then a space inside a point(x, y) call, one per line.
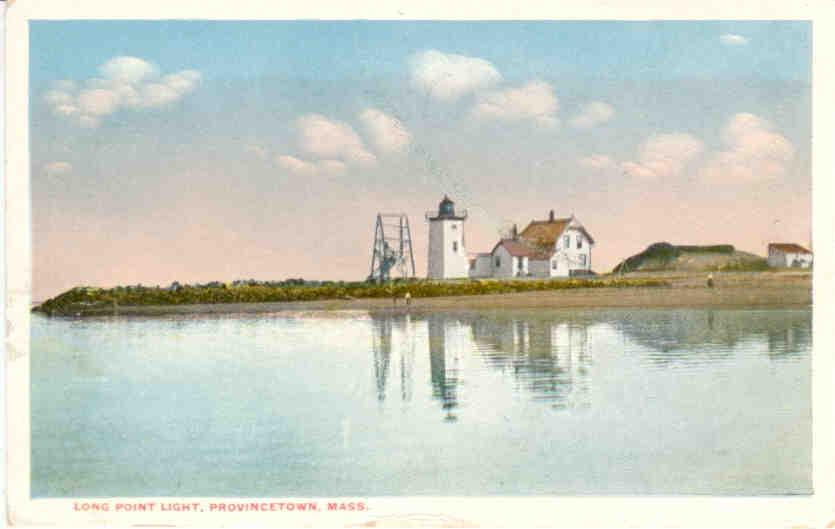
point(573, 511)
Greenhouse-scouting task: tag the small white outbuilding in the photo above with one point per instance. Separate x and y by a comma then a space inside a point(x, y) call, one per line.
point(788, 255)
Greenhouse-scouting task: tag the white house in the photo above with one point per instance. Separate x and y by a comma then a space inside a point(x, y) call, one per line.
point(545, 248)
point(481, 265)
point(788, 255)
point(516, 257)
point(447, 255)
point(566, 241)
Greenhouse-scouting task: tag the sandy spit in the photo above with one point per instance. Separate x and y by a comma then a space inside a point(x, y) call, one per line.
point(739, 290)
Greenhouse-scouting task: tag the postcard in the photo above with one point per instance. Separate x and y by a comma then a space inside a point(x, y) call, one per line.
point(419, 265)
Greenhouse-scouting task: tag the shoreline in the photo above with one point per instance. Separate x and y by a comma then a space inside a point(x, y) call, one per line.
point(731, 290)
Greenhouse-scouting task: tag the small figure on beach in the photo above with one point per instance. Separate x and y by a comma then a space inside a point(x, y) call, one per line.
point(408, 298)
point(710, 281)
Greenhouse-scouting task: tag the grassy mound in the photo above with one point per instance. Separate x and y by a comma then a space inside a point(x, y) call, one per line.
point(89, 300)
point(663, 256)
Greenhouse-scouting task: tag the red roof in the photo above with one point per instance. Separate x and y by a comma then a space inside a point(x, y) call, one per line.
point(788, 247)
point(545, 232)
point(522, 248)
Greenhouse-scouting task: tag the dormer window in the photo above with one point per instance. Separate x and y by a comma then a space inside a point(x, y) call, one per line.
point(579, 241)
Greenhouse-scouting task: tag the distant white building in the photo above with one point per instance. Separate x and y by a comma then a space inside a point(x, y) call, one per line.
point(447, 255)
point(545, 248)
point(788, 255)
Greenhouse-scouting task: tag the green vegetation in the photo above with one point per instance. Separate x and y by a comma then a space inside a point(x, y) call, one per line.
point(81, 300)
point(663, 256)
point(758, 265)
point(716, 248)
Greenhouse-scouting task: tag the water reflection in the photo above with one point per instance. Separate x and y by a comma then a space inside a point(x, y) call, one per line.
point(548, 355)
point(684, 402)
point(548, 358)
point(381, 348)
point(789, 339)
point(706, 335)
point(443, 363)
point(382, 345)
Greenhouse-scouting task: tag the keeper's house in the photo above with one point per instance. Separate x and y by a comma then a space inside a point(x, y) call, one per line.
point(545, 248)
point(788, 255)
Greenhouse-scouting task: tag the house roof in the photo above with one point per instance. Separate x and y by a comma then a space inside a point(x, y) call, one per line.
point(523, 248)
point(787, 247)
point(545, 232)
point(473, 257)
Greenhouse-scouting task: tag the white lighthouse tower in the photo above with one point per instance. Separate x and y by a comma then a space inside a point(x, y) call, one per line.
point(447, 255)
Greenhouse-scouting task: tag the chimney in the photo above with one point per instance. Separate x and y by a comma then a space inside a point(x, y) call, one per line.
point(514, 233)
point(551, 216)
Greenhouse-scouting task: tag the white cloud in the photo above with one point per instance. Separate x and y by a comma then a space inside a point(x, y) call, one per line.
point(593, 114)
point(533, 101)
point(331, 167)
point(128, 70)
point(664, 155)
point(597, 162)
point(58, 97)
point(65, 110)
point(447, 76)
point(169, 89)
point(754, 152)
point(329, 146)
point(126, 82)
point(57, 168)
point(65, 85)
point(733, 40)
point(330, 139)
point(296, 165)
point(386, 133)
point(183, 81)
point(307, 168)
point(88, 122)
point(97, 102)
point(257, 150)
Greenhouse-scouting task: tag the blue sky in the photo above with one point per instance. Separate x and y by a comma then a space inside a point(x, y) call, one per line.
point(335, 50)
point(221, 150)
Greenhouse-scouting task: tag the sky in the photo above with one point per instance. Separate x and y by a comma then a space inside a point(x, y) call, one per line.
point(217, 150)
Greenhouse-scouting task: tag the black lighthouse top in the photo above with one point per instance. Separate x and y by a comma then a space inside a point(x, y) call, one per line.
point(446, 210)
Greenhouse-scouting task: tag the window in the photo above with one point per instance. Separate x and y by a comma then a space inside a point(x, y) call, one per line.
point(579, 241)
point(454, 226)
point(498, 262)
point(583, 259)
point(554, 264)
point(566, 242)
point(454, 246)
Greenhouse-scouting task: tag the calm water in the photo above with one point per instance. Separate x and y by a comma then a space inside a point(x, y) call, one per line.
point(480, 403)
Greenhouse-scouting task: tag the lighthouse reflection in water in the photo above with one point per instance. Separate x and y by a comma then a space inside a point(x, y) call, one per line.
point(549, 359)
